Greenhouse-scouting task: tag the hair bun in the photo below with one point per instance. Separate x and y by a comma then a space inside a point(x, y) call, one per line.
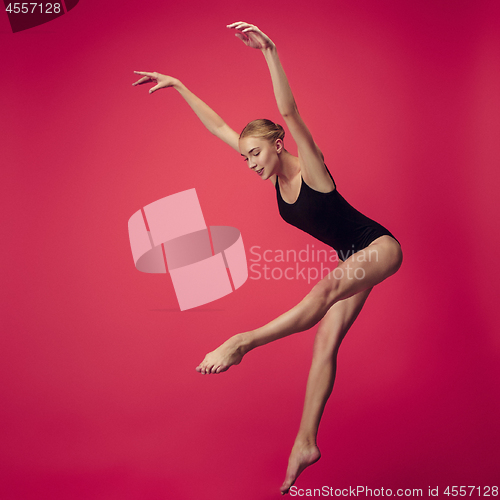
point(264, 128)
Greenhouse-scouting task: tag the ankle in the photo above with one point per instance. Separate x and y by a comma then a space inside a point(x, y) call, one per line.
point(244, 342)
point(305, 440)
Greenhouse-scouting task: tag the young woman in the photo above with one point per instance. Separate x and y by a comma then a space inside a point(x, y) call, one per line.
point(307, 198)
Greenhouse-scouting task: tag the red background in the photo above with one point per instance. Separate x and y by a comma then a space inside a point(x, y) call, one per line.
point(99, 395)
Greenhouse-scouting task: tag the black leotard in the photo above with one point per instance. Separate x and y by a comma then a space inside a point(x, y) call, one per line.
point(329, 218)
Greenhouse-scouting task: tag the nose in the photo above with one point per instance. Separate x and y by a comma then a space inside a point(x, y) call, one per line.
point(252, 164)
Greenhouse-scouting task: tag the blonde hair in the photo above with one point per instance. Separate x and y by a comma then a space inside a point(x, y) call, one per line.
point(263, 128)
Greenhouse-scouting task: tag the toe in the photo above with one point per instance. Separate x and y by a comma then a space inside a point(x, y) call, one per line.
point(284, 488)
point(287, 483)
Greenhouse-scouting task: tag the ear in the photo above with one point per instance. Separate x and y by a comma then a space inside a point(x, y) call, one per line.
point(279, 145)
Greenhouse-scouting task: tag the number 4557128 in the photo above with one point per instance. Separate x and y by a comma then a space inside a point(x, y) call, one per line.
point(29, 8)
point(486, 491)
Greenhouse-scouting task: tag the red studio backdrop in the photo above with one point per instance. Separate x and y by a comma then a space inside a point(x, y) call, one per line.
point(99, 394)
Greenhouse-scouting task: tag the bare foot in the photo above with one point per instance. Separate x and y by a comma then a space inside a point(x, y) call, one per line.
point(228, 354)
point(303, 455)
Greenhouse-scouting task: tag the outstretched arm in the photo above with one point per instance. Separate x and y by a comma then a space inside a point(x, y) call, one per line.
point(212, 121)
point(311, 158)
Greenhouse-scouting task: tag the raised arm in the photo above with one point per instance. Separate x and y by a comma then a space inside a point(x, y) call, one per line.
point(212, 121)
point(311, 158)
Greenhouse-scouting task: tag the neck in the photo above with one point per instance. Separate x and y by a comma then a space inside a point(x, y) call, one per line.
point(289, 166)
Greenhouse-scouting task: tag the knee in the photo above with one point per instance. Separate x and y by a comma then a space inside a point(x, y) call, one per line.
point(325, 290)
point(326, 344)
point(329, 336)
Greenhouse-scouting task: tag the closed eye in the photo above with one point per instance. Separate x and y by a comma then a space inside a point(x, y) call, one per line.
point(255, 154)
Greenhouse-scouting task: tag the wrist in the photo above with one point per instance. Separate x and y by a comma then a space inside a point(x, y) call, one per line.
point(269, 49)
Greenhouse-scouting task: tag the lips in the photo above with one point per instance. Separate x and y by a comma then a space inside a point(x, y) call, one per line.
point(260, 171)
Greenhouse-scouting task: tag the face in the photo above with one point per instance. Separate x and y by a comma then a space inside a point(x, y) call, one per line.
point(261, 155)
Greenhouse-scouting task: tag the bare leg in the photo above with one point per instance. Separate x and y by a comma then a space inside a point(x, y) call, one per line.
point(332, 330)
point(363, 270)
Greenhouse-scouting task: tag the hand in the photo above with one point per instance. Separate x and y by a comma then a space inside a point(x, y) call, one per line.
point(251, 36)
point(162, 81)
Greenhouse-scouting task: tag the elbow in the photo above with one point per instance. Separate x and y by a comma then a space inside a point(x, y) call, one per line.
point(289, 111)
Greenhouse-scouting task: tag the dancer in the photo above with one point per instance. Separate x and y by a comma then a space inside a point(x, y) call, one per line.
point(308, 199)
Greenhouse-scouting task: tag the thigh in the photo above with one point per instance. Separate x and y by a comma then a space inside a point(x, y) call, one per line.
point(363, 270)
point(338, 320)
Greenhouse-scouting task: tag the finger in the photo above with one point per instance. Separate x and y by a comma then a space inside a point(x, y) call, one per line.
point(233, 25)
point(154, 89)
point(145, 79)
point(146, 73)
point(240, 26)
